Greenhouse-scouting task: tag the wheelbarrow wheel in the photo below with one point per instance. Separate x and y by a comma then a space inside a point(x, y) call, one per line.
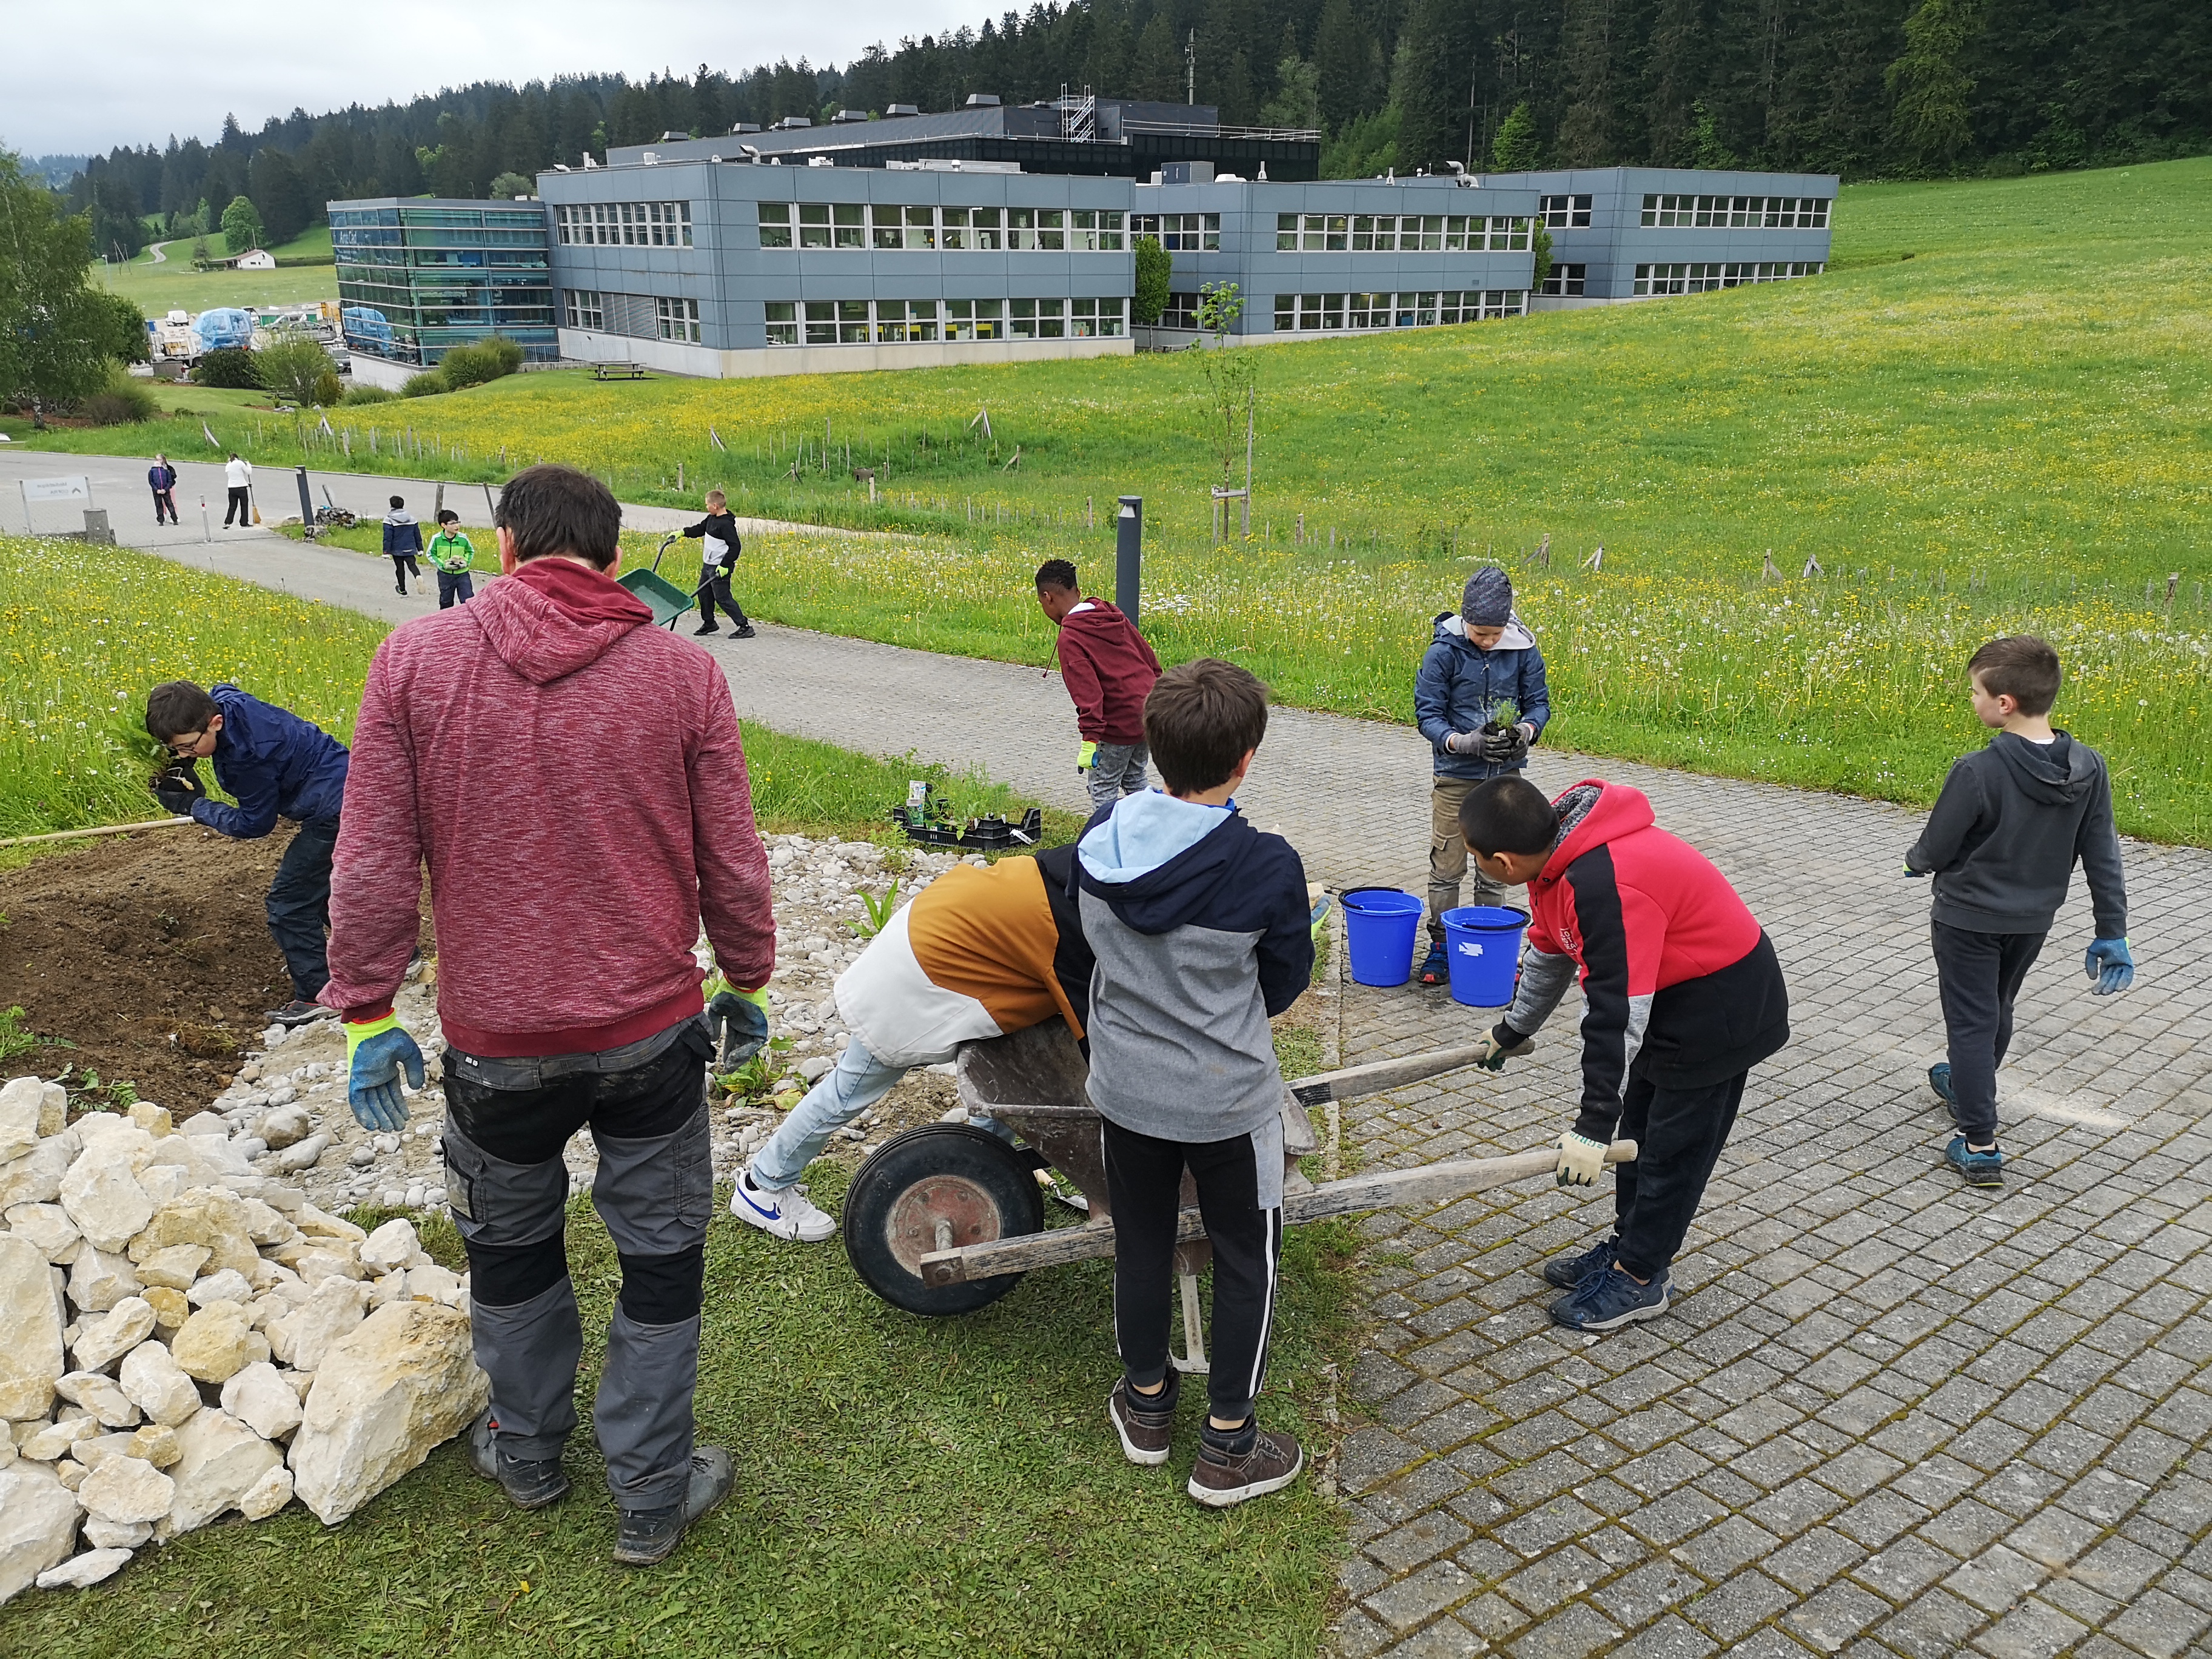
point(932, 1189)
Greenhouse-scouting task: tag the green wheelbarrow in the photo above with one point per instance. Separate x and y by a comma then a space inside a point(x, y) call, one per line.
point(664, 598)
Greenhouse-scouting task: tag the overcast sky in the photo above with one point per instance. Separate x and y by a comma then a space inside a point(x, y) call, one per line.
point(79, 76)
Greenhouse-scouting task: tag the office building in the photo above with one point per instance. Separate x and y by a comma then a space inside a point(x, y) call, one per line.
point(418, 275)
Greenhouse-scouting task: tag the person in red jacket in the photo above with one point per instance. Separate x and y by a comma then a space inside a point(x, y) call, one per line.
point(573, 779)
point(1109, 671)
point(1682, 996)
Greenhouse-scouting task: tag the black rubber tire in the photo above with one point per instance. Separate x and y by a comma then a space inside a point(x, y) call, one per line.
point(983, 1179)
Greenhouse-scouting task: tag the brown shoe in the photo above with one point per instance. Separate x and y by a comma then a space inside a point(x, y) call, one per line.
point(1223, 1477)
point(1146, 1426)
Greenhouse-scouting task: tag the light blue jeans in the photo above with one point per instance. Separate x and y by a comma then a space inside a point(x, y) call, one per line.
point(847, 1089)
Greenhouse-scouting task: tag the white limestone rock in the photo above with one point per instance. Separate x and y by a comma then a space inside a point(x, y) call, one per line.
point(392, 1245)
point(211, 1216)
point(304, 1156)
point(332, 1312)
point(36, 1176)
point(268, 1494)
point(99, 1280)
point(83, 1571)
point(113, 1535)
point(53, 1109)
point(400, 1384)
point(38, 1524)
point(223, 1460)
point(126, 1490)
point(19, 1116)
point(98, 1394)
point(48, 1226)
point(440, 1285)
point(176, 1267)
point(259, 1397)
point(153, 1381)
point(312, 1220)
point(285, 1126)
point(102, 1195)
point(215, 1343)
point(114, 1333)
point(228, 1285)
point(31, 1315)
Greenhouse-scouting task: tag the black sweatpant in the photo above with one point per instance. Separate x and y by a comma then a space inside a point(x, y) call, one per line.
point(713, 588)
point(298, 906)
point(507, 1122)
point(165, 500)
point(1242, 1202)
point(1679, 1134)
point(1979, 977)
point(403, 567)
point(240, 506)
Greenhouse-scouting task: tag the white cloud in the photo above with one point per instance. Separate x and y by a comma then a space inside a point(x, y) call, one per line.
point(78, 78)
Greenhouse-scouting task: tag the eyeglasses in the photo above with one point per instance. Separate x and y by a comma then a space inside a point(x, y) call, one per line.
point(182, 748)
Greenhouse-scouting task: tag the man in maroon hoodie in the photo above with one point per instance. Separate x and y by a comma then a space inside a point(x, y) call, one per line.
point(1109, 671)
point(573, 778)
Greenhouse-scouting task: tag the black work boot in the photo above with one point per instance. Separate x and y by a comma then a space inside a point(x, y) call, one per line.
point(529, 1484)
point(648, 1536)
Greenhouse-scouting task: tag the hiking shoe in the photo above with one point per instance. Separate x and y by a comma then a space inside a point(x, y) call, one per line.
point(1979, 1168)
point(529, 1484)
point(1607, 1301)
point(1939, 1079)
point(744, 633)
point(650, 1535)
point(1568, 1271)
point(299, 1012)
point(1146, 1423)
point(705, 628)
point(787, 1214)
point(1436, 967)
point(1242, 1463)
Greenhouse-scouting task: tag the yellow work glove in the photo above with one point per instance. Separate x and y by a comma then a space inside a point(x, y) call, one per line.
point(1580, 1160)
point(1086, 756)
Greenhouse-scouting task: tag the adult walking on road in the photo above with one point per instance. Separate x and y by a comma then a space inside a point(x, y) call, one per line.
point(1108, 670)
point(161, 479)
point(237, 476)
point(567, 989)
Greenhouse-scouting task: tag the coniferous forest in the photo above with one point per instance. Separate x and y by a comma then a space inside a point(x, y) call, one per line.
point(1863, 87)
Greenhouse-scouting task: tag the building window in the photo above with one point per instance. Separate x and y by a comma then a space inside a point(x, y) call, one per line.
point(1737, 212)
point(1180, 312)
point(1657, 280)
point(898, 321)
point(1323, 313)
point(1180, 233)
point(975, 320)
point(1095, 232)
point(821, 322)
point(776, 225)
point(1394, 232)
point(583, 308)
point(1095, 318)
point(782, 322)
point(1036, 320)
point(1566, 212)
point(1565, 282)
point(853, 322)
point(679, 319)
point(625, 224)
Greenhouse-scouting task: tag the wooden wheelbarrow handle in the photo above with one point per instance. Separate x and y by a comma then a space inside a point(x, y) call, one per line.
point(1431, 1183)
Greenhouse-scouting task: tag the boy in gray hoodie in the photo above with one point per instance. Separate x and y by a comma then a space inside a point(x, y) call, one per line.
point(2001, 842)
point(1199, 927)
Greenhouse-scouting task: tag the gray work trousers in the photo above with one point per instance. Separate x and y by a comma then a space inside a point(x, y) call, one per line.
point(506, 1122)
point(1116, 770)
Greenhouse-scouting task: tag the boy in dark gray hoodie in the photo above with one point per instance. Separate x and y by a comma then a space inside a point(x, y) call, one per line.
point(1202, 934)
point(2001, 842)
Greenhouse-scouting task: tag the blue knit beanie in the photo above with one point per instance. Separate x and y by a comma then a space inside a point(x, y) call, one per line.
point(1488, 600)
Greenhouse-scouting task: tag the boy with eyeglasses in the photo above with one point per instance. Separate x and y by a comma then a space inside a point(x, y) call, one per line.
point(276, 765)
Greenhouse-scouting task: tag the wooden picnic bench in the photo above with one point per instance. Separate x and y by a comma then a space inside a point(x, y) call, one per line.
point(617, 371)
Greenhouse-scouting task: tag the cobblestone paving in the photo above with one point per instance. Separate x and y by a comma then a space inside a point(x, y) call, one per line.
point(1887, 1415)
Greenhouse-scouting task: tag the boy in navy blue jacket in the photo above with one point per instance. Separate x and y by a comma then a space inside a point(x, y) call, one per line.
point(1199, 927)
point(402, 540)
point(276, 765)
point(1480, 661)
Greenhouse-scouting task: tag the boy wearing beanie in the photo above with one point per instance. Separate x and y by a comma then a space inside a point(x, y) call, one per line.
point(1482, 664)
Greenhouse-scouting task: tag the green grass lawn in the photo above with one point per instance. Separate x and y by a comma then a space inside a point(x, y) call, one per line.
point(172, 284)
point(2008, 430)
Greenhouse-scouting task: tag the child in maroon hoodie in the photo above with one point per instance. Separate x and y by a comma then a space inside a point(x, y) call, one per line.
point(1109, 671)
point(1682, 996)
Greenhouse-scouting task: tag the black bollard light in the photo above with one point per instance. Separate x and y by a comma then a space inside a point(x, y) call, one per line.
point(1129, 556)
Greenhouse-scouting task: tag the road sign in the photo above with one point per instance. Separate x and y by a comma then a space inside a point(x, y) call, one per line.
point(57, 490)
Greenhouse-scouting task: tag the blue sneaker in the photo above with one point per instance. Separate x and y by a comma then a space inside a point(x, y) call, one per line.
point(1568, 1271)
point(1436, 967)
point(1979, 1168)
point(1608, 1300)
point(1939, 1079)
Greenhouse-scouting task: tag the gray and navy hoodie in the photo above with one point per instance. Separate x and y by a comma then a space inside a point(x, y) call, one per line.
point(1199, 923)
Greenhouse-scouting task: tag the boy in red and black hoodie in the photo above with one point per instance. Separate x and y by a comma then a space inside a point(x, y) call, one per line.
point(1109, 671)
point(1683, 996)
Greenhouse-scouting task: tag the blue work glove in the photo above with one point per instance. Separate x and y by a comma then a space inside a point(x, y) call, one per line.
point(2110, 964)
point(377, 1052)
point(1086, 756)
point(743, 1017)
point(1916, 875)
point(1317, 922)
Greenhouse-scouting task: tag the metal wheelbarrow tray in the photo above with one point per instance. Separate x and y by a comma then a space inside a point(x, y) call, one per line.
point(946, 1218)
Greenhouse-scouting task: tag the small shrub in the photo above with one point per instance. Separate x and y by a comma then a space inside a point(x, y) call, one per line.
point(428, 383)
point(122, 403)
point(294, 368)
point(482, 360)
point(329, 389)
point(357, 395)
point(228, 366)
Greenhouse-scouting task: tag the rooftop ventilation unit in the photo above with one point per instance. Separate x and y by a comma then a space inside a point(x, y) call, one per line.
point(746, 126)
point(1187, 173)
point(902, 109)
point(982, 100)
point(673, 137)
point(846, 117)
point(796, 121)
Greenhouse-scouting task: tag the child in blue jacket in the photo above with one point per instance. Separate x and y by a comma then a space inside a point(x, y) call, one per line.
point(276, 765)
point(402, 540)
point(1481, 662)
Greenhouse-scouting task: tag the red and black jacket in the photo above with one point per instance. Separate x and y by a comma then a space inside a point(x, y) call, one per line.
point(1679, 982)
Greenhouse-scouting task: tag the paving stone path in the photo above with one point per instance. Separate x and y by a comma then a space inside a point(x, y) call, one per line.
point(1887, 1415)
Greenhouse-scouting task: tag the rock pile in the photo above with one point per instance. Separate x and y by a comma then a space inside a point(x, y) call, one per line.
point(188, 1335)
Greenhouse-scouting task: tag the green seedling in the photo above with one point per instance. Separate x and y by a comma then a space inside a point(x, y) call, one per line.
point(879, 912)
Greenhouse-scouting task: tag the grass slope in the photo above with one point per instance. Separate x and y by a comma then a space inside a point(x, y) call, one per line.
point(172, 284)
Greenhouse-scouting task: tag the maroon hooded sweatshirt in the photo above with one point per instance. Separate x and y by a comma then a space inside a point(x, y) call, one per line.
point(575, 780)
point(1109, 671)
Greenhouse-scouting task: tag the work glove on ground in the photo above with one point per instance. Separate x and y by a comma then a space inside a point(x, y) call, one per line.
point(1464, 743)
point(1507, 747)
point(1581, 1160)
point(1497, 1045)
point(377, 1052)
point(1086, 756)
point(2110, 965)
point(176, 787)
point(742, 1017)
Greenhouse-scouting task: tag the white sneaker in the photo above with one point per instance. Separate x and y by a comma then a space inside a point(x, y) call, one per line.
point(787, 1214)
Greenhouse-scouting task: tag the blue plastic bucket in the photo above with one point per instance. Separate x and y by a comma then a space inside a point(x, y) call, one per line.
point(1482, 942)
point(1379, 924)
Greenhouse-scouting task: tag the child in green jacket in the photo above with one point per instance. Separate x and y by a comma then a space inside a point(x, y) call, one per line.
point(452, 556)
